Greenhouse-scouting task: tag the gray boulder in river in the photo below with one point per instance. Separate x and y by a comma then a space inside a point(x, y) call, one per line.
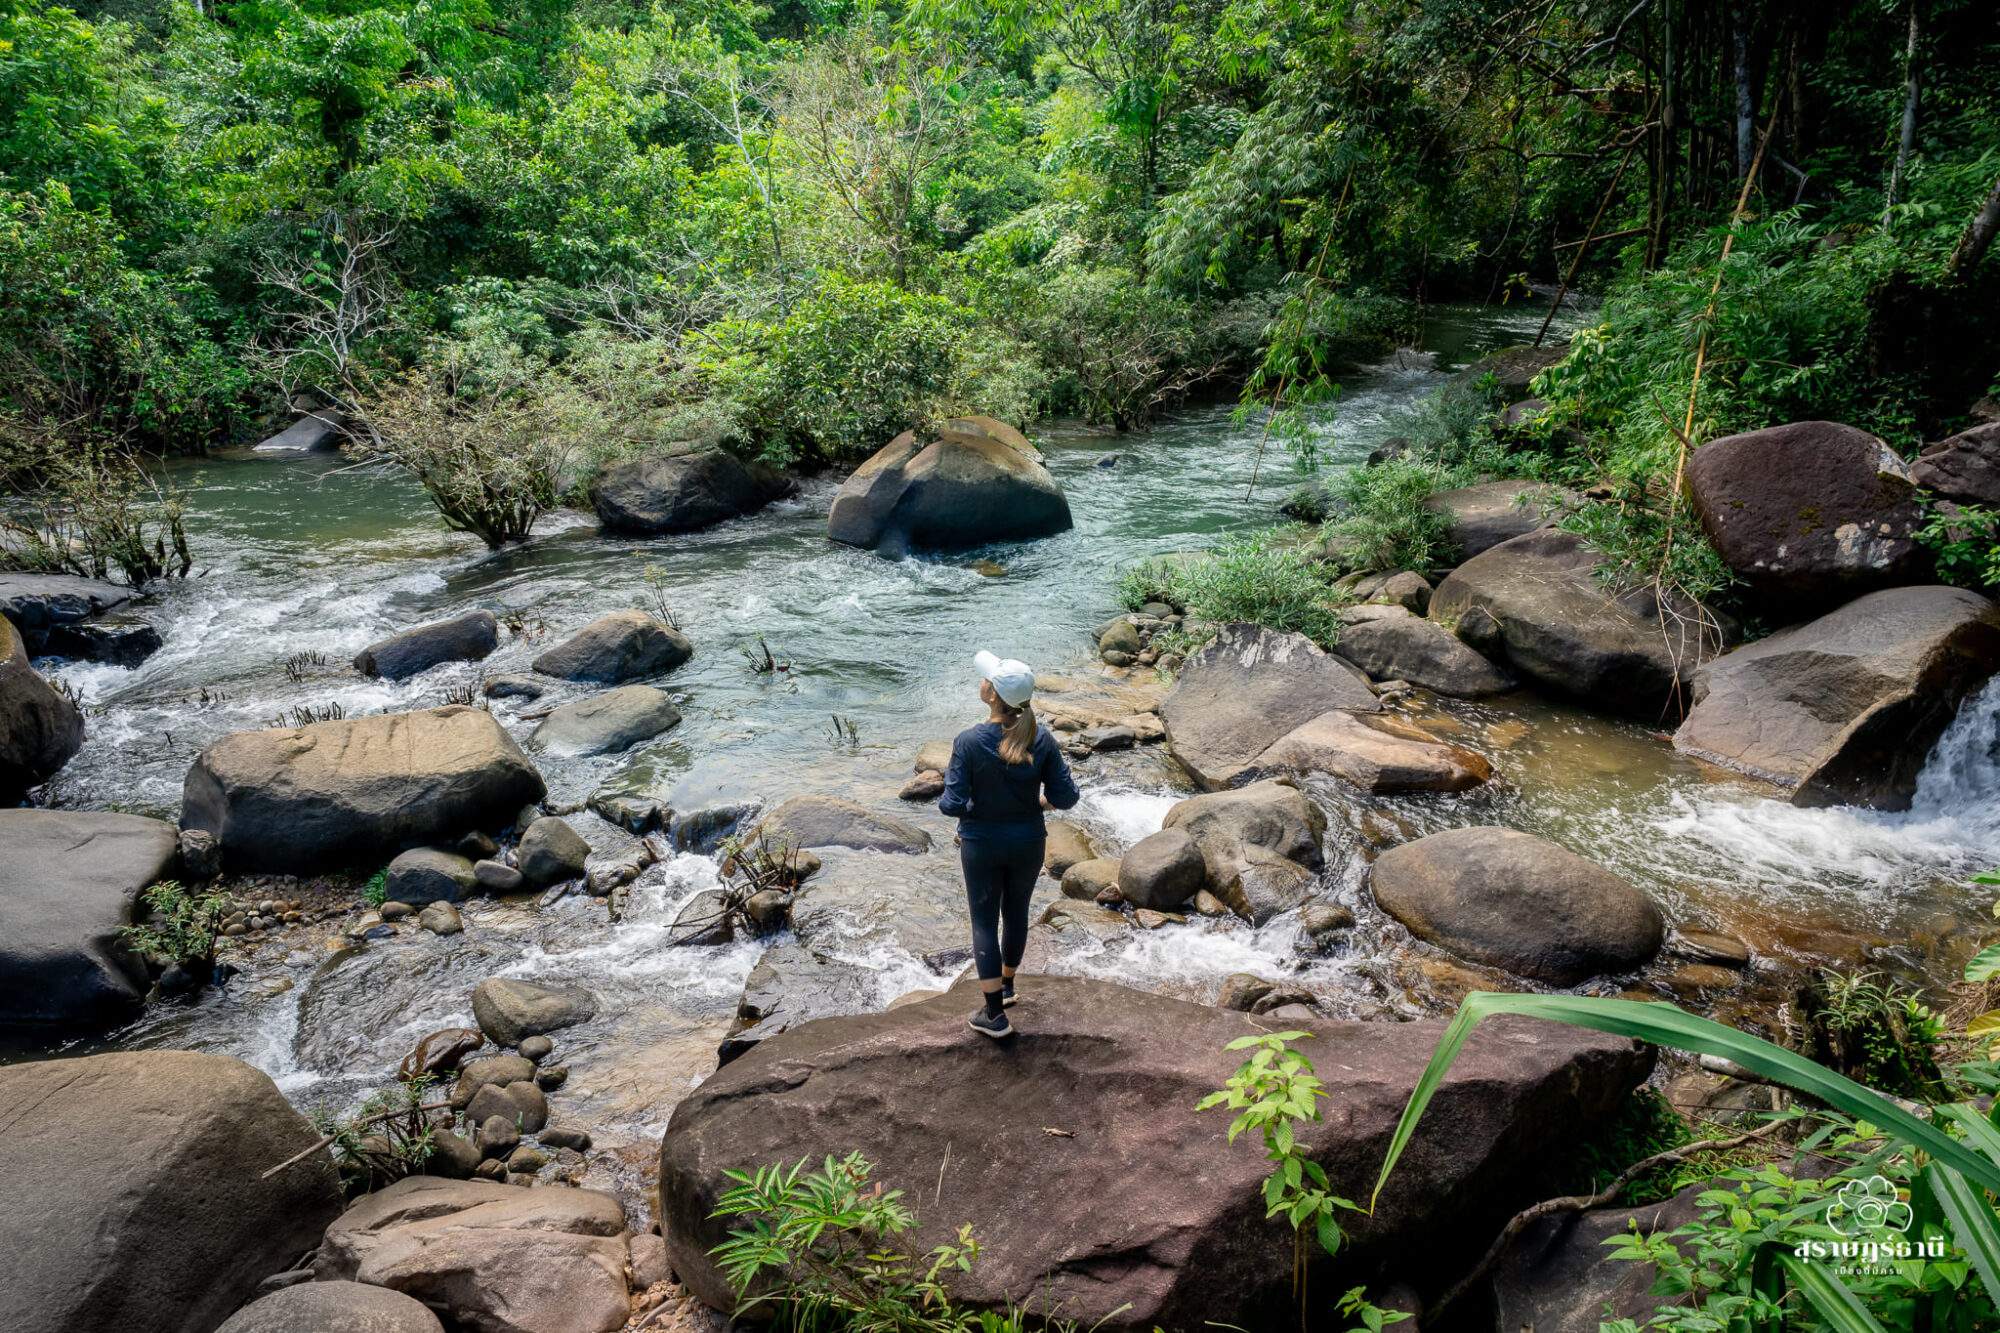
point(1844, 709)
point(1244, 689)
point(1478, 518)
point(135, 1195)
point(1809, 514)
point(334, 1307)
point(1136, 1215)
point(300, 799)
point(1422, 652)
point(466, 638)
point(39, 727)
point(975, 481)
point(1537, 604)
point(607, 723)
point(68, 881)
point(683, 492)
point(834, 821)
point(38, 603)
point(614, 648)
point(1260, 844)
point(1518, 902)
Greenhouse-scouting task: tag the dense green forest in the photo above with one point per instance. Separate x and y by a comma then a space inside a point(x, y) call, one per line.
point(519, 236)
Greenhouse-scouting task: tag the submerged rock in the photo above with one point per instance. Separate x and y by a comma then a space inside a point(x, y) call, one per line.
point(1809, 513)
point(39, 727)
point(607, 723)
point(1537, 603)
point(683, 492)
point(301, 799)
point(1518, 902)
point(466, 638)
point(834, 821)
point(1132, 1217)
point(509, 1010)
point(135, 1190)
point(68, 882)
point(976, 481)
point(490, 1257)
point(1844, 709)
point(615, 648)
point(1376, 754)
point(1247, 687)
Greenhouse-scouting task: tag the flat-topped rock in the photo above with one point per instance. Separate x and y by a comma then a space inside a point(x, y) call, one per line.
point(1247, 687)
point(465, 638)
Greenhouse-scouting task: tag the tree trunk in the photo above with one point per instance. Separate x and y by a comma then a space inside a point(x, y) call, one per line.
point(1746, 128)
point(1906, 140)
point(1972, 246)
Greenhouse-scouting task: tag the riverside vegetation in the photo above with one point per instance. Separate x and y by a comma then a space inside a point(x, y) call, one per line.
point(1740, 481)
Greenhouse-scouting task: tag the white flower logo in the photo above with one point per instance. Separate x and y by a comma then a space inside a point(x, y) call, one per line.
point(1868, 1205)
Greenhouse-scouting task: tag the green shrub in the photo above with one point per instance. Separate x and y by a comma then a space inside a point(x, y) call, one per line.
point(180, 924)
point(1965, 543)
point(1259, 579)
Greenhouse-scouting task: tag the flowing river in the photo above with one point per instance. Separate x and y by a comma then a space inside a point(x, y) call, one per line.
point(304, 560)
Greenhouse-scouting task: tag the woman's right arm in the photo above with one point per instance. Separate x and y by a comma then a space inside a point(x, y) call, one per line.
point(957, 798)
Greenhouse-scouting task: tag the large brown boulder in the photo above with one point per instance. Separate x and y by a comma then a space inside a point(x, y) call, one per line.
point(975, 481)
point(1478, 518)
point(491, 1258)
point(1244, 689)
point(1538, 604)
point(1424, 653)
point(135, 1193)
point(1374, 753)
point(1964, 469)
point(333, 1307)
point(39, 604)
point(358, 789)
point(39, 728)
point(1137, 1214)
point(1812, 512)
point(1843, 709)
point(1518, 902)
point(1259, 843)
point(68, 880)
point(683, 492)
point(1558, 1274)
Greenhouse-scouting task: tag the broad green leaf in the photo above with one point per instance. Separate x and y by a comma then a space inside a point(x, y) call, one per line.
point(1973, 1225)
point(1666, 1025)
point(1985, 964)
point(1829, 1297)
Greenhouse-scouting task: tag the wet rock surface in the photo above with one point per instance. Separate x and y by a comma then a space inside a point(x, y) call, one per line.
point(1246, 688)
point(975, 481)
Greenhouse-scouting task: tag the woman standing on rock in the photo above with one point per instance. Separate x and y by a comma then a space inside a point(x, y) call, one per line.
point(1003, 774)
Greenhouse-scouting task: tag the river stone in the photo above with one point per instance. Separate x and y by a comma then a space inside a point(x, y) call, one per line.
point(1964, 469)
point(834, 821)
point(1478, 518)
point(440, 1052)
point(1376, 754)
point(793, 984)
point(521, 1103)
point(1086, 879)
point(933, 756)
point(1401, 587)
point(333, 1307)
point(489, 1071)
point(550, 852)
point(488, 1257)
point(115, 640)
point(37, 603)
point(682, 492)
point(466, 638)
point(1161, 871)
point(615, 648)
point(1810, 513)
point(1247, 687)
point(135, 1196)
point(68, 882)
point(509, 1010)
point(1558, 1275)
point(498, 877)
point(39, 728)
point(607, 723)
point(424, 875)
point(318, 431)
point(1537, 602)
point(1844, 709)
point(1138, 1221)
point(1517, 902)
point(1424, 653)
point(975, 481)
point(704, 919)
point(1064, 846)
point(1269, 814)
point(1513, 368)
point(301, 799)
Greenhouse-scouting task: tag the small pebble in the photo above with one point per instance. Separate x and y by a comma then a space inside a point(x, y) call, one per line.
point(551, 1077)
point(536, 1048)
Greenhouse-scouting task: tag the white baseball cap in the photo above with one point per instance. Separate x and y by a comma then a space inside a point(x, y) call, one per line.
point(1013, 681)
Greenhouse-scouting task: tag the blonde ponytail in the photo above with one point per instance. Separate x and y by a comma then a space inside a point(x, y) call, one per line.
point(1017, 738)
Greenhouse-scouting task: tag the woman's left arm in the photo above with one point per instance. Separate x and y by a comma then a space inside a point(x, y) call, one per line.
point(957, 797)
point(1058, 787)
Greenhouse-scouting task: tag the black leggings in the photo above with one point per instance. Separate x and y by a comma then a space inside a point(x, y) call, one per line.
point(999, 880)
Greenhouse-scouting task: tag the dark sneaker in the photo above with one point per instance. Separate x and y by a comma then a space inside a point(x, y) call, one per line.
point(995, 1026)
point(1007, 992)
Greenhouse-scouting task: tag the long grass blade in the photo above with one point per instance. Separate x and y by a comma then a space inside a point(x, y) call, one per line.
point(1830, 1298)
point(1666, 1025)
point(1973, 1225)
